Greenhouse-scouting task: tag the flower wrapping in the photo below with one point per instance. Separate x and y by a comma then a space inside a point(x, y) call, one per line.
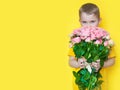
point(94, 44)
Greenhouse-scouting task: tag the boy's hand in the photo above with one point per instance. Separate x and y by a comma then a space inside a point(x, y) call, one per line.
point(81, 62)
point(96, 65)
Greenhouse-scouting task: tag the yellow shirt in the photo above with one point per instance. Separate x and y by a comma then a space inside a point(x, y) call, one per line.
point(103, 71)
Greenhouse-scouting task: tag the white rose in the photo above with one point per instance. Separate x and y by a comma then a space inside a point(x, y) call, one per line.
point(108, 37)
point(111, 43)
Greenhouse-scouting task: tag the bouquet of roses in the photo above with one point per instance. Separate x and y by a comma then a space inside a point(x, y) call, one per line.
point(94, 44)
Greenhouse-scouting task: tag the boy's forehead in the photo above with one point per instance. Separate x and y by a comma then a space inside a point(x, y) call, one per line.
point(86, 16)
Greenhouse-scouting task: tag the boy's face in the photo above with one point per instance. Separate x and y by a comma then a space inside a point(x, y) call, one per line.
point(89, 20)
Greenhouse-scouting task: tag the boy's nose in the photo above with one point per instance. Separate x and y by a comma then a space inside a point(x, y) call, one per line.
point(88, 24)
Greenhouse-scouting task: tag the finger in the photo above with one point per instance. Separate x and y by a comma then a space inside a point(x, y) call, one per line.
point(83, 59)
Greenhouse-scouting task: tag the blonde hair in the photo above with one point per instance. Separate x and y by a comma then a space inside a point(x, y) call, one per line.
point(90, 8)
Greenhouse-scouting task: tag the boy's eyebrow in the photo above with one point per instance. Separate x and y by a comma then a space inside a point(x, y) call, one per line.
point(93, 20)
point(83, 20)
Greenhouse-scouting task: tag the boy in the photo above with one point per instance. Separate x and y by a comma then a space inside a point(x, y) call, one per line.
point(89, 16)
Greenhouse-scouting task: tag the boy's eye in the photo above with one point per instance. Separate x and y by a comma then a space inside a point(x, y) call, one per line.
point(92, 21)
point(84, 22)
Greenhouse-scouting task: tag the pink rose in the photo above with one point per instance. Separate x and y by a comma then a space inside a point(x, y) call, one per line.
point(76, 40)
point(77, 31)
point(83, 37)
point(98, 41)
point(106, 43)
point(105, 33)
point(93, 36)
point(97, 34)
point(88, 39)
point(85, 31)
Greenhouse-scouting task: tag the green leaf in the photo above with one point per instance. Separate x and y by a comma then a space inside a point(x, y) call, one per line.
point(89, 55)
point(100, 82)
point(86, 55)
point(93, 80)
point(99, 75)
point(87, 76)
point(75, 74)
point(96, 58)
point(77, 80)
point(78, 50)
point(101, 63)
point(82, 72)
point(101, 47)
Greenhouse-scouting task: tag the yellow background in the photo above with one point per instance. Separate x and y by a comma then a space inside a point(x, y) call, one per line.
point(34, 42)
